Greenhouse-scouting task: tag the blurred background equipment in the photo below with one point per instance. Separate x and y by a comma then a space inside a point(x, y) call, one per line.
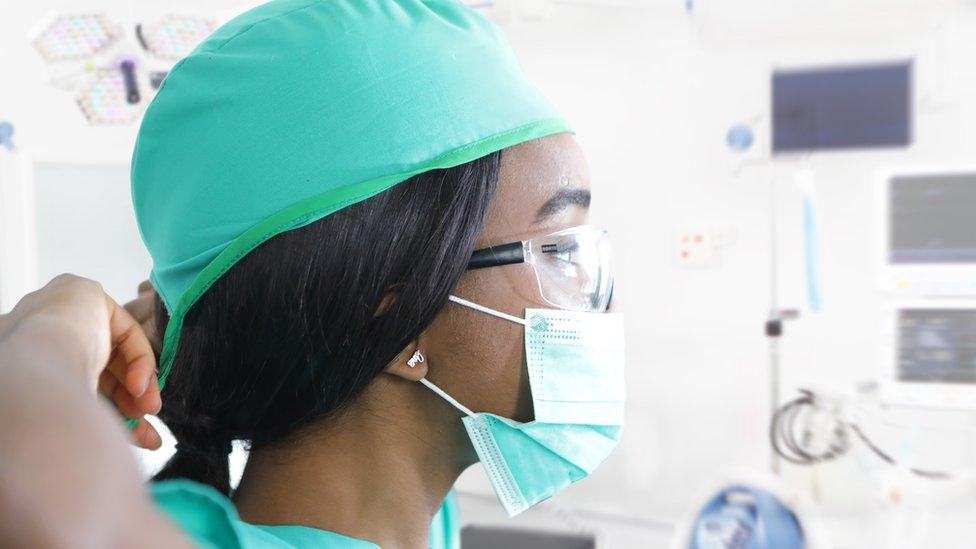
point(842, 107)
point(929, 353)
point(76, 37)
point(816, 110)
point(117, 72)
point(104, 99)
point(482, 537)
point(927, 246)
point(810, 430)
point(173, 36)
point(7, 135)
point(746, 517)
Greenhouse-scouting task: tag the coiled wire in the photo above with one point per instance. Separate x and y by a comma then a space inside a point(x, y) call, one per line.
point(783, 436)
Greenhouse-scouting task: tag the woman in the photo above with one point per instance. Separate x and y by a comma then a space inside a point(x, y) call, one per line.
point(371, 248)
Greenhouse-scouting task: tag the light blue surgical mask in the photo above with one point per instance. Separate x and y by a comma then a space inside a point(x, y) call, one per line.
point(576, 373)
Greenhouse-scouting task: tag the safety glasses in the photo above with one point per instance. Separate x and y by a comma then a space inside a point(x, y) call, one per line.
point(572, 266)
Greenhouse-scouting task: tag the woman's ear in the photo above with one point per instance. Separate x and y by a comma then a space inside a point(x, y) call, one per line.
point(410, 364)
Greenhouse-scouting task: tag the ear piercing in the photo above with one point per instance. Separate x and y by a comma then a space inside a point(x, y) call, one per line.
point(415, 359)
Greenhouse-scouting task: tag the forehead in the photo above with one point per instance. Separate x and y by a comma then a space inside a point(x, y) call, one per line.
point(531, 174)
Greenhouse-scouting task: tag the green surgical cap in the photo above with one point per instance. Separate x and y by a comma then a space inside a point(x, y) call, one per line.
point(298, 108)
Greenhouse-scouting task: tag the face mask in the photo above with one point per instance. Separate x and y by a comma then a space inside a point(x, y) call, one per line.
point(576, 371)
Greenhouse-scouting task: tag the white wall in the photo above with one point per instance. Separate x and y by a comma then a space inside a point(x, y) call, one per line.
point(651, 91)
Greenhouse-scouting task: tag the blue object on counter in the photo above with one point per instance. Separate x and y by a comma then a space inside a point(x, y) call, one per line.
point(744, 517)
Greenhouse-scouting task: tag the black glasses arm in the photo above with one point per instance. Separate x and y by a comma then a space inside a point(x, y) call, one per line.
point(503, 254)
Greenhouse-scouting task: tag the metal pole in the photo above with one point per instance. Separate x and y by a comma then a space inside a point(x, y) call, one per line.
point(774, 323)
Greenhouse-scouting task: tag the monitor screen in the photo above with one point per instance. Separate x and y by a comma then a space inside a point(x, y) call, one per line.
point(842, 107)
point(931, 219)
point(937, 345)
point(487, 537)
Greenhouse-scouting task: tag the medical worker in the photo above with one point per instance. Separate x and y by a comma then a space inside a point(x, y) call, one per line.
point(372, 265)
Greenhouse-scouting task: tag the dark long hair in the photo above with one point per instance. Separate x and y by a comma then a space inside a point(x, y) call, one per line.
point(290, 334)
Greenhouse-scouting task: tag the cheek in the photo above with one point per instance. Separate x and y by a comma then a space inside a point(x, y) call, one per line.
point(492, 378)
point(482, 366)
point(479, 358)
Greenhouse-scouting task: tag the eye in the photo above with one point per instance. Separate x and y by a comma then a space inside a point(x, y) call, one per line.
point(561, 251)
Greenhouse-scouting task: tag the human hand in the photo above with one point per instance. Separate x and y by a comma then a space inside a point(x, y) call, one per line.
point(143, 309)
point(75, 319)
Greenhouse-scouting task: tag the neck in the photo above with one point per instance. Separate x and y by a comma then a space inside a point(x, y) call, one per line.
point(377, 471)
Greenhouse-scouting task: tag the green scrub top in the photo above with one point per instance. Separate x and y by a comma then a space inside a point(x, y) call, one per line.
point(210, 520)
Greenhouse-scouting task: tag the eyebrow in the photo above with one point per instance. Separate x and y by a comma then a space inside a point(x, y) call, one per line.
point(563, 199)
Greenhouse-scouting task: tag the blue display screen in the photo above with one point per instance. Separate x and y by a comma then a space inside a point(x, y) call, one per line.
point(842, 107)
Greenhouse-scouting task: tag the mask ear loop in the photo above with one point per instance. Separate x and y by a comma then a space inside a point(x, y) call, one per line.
point(484, 309)
point(440, 392)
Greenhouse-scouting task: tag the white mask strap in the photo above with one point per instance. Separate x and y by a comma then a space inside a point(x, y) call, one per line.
point(484, 309)
point(440, 392)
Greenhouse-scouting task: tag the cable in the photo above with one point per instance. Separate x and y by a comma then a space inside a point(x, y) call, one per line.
point(782, 434)
point(887, 458)
point(783, 438)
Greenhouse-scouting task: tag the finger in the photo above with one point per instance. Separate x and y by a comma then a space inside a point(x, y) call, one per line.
point(144, 435)
point(149, 327)
point(142, 308)
point(146, 287)
point(149, 402)
point(126, 403)
point(107, 382)
point(133, 349)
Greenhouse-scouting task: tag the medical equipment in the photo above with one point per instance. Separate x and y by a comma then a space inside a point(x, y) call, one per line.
point(842, 107)
point(106, 101)
point(572, 267)
point(811, 253)
point(746, 517)
point(6, 135)
point(486, 537)
point(173, 36)
point(827, 109)
point(927, 232)
point(127, 66)
point(106, 86)
point(813, 429)
point(929, 353)
point(76, 36)
point(739, 137)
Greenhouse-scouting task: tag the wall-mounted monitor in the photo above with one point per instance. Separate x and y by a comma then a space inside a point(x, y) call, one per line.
point(929, 353)
point(927, 232)
point(841, 108)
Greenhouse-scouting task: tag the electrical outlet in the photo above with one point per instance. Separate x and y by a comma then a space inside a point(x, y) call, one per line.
point(700, 246)
point(694, 248)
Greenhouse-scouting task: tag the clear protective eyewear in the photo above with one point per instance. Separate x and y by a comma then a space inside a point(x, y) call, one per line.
point(572, 266)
